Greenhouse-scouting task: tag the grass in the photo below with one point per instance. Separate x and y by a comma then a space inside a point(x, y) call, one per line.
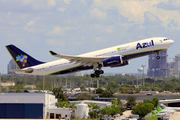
point(85, 119)
point(153, 118)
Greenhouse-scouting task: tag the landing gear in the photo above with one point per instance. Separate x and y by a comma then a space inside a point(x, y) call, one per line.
point(97, 73)
point(158, 57)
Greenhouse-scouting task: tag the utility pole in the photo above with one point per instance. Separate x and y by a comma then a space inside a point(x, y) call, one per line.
point(66, 83)
point(137, 79)
point(97, 83)
point(43, 82)
point(143, 73)
point(51, 83)
point(24, 81)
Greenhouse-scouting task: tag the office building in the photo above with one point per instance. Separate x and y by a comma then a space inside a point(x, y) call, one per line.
point(177, 64)
point(11, 66)
point(158, 67)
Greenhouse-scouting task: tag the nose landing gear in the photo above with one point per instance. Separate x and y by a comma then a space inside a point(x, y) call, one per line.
point(158, 57)
point(97, 73)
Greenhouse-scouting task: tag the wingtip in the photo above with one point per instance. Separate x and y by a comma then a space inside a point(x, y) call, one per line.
point(53, 53)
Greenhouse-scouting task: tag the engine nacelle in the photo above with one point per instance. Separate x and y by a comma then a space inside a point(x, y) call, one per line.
point(112, 61)
point(120, 65)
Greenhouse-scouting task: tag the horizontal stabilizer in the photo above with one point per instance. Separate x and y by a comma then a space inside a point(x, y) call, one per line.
point(30, 70)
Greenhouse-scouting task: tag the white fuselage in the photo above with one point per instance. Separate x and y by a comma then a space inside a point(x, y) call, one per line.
point(129, 51)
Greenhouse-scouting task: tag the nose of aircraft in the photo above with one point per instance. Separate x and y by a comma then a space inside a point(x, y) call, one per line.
point(171, 41)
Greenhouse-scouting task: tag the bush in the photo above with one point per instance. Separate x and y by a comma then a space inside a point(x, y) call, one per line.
point(85, 97)
point(93, 114)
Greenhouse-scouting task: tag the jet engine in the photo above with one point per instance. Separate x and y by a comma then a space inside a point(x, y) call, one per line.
point(120, 65)
point(112, 61)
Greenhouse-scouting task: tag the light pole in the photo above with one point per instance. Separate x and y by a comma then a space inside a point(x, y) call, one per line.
point(143, 73)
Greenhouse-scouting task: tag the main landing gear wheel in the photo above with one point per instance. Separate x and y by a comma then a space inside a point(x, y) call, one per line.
point(158, 57)
point(97, 73)
point(92, 75)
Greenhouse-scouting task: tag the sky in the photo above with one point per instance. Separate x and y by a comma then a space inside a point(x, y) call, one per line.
point(79, 26)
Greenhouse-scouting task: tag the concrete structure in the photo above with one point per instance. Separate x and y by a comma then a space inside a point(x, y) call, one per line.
point(8, 84)
point(177, 64)
point(30, 86)
point(145, 92)
point(82, 111)
point(158, 67)
point(99, 103)
point(11, 66)
point(171, 103)
point(30, 106)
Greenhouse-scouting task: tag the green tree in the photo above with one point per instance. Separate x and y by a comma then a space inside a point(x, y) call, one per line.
point(58, 92)
point(107, 93)
point(131, 101)
point(84, 97)
point(94, 108)
point(156, 100)
point(83, 88)
point(112, 85)
point(99, 91)
point(62, 104)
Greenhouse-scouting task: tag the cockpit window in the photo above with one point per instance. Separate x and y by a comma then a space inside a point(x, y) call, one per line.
point(166, 39)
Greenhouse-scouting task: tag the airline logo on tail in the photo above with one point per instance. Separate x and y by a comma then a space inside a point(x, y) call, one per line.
point(144, 45)
point(22, 59)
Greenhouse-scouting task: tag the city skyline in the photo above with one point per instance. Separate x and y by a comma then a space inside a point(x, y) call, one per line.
point(76, 27)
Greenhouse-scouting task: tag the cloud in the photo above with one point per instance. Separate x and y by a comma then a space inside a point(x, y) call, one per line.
point(32, 22)
point(60, 30)
point(99, 40)
point(61, 9)
point(67, 1)
point(56, 42)
point(151, 18)
point(98, 14)
point(170, 5)
point(134, 10)
point(51, 2)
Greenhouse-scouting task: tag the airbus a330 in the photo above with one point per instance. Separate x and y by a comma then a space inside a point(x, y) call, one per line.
point(116, 56)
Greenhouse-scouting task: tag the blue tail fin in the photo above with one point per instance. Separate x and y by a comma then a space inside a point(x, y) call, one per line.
point(21, 58)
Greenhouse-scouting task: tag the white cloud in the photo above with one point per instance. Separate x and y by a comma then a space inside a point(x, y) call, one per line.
point(32, 22)
point(99, 40)
point(67, 1)
point(134, 10)
point(98, 14)
point(109, 29)
point(56, 42)
point(60, 30)
point(61, 9)
point(51, 2)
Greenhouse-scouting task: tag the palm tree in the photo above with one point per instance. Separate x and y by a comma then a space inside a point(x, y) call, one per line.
point(94, 107)
point(58, 92)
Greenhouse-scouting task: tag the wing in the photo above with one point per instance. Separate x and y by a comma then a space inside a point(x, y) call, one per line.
point(81, 59)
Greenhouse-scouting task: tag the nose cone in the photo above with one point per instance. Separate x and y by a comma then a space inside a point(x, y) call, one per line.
point(171, 41)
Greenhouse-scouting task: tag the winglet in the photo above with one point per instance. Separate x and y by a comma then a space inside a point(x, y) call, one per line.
point(53, 53)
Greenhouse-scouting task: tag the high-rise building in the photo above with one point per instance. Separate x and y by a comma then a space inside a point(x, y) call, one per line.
point(158, 67)
point(11, 66)
point(177, 64)
point(171, 69)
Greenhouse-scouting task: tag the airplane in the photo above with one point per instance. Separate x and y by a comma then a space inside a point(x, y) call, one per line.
point(116, 56)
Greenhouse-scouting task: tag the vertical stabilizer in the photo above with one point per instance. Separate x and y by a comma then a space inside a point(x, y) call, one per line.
point(21, 58)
